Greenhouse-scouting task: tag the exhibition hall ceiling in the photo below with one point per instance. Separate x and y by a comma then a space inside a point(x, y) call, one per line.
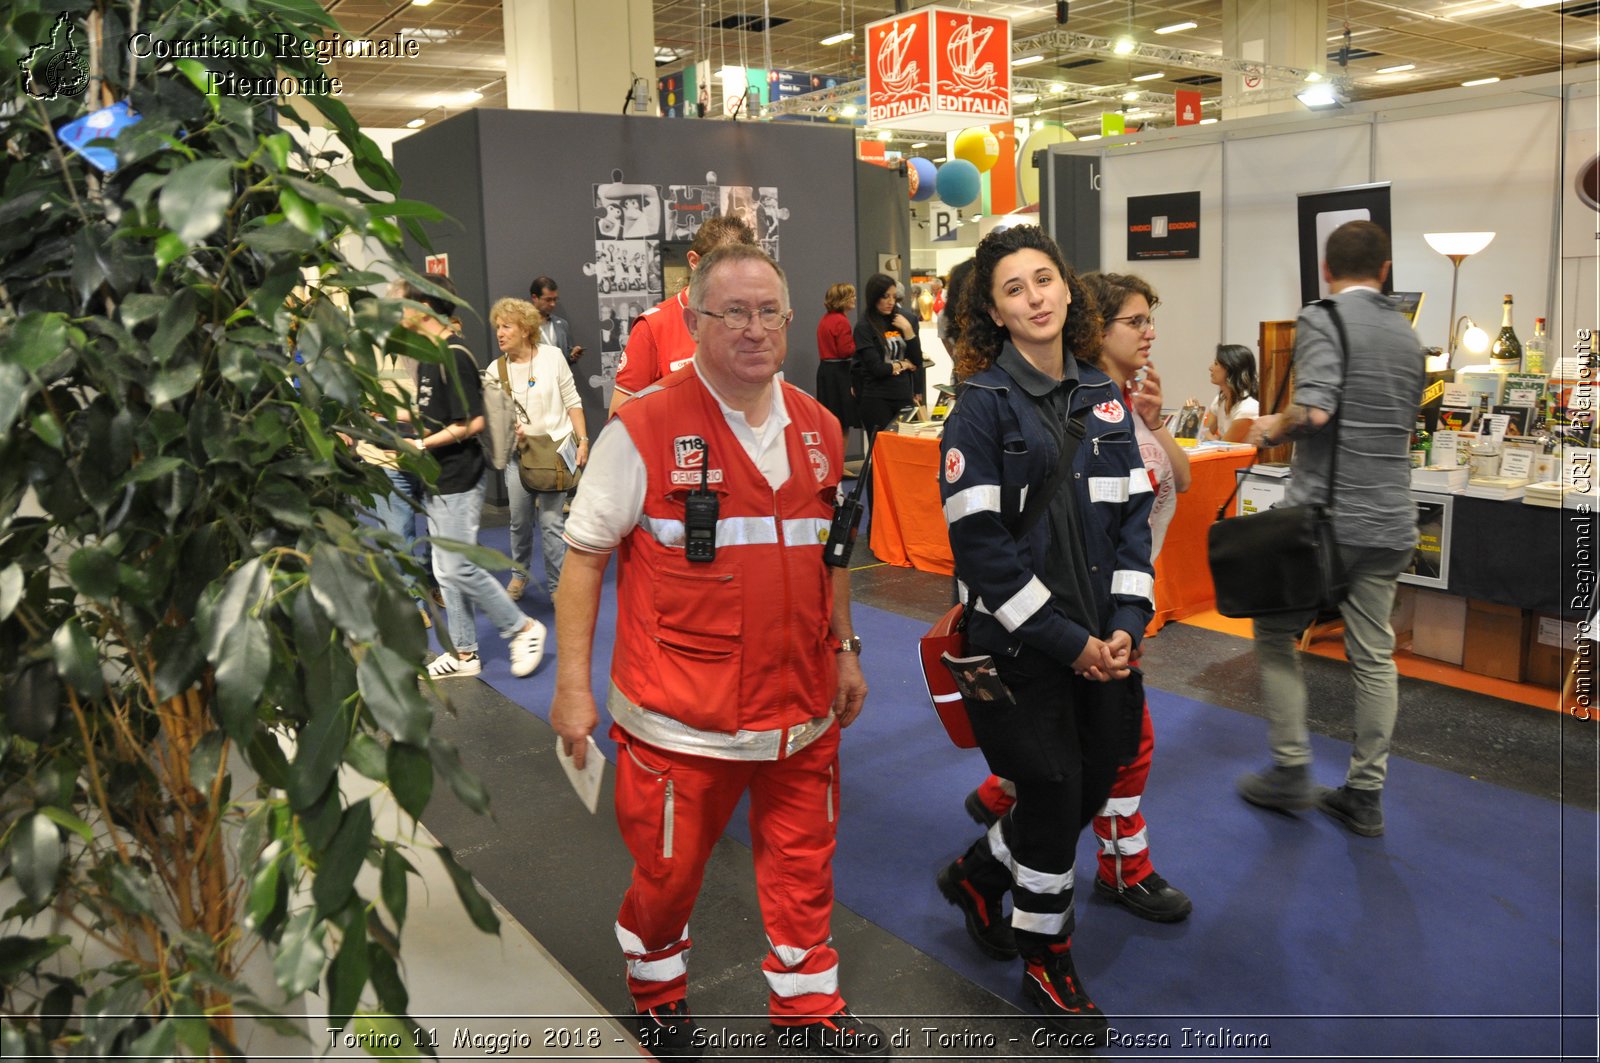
point(1440, 43)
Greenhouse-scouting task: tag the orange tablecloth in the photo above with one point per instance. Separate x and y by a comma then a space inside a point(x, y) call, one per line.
point(908, 526)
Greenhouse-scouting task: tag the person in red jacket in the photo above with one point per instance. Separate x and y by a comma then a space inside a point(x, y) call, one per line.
point(735, 657)
point(836, 347)
point(659, 342)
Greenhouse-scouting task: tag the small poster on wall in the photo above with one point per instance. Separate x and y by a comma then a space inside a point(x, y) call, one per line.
point(1165, 226)
point(1322, 212)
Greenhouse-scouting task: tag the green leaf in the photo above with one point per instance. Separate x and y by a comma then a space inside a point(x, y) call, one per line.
point(76, 659)
point(410, 777)
point(33, 701)
point(169, 385)
point(48, 429)
point(347, 975)
point(153, 469)
point(277, 146)
point(93, 571)
point(179, 660)
point(130, 889)
point(478, 908)
point(344, 591)
point(467, 786)
point(11, 584)
point(195, 199)
point(175, 324)
point(36, 855)
point(379, 1031)
point(161, 1040)
point(301, 956)
point(366, 755)
point(386, 980)
point(392, 883)
point(38, 339)
point(18, 954)
point(269, 893)
point(301, 213)
point(244, 663)
point(336, 871)
point(204, 761)
point(243, 592)
point(388, 683)
point(197, 74)
point(169, 248)
point(317, 754)
point(15, 390)
point(62, 818)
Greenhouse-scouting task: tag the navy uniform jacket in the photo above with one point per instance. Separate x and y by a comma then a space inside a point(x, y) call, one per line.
point(996, 450)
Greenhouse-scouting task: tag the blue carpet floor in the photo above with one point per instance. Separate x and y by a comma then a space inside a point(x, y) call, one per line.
point(1466, 932)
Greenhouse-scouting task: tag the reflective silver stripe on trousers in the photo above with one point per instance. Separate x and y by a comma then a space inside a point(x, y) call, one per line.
point(664, 970)
point(1029, 600)
point(984, 498)
point(667, 733)
point(1133, 843)
point(789, 955)
point(634, 945)
point(1048, 923)
point(1040, 882)
point(1120, 806)
point(1136, 584)
point(789, 984)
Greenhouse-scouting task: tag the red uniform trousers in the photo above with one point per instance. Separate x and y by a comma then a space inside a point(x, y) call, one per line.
point(672, 807)
point(1120, 826)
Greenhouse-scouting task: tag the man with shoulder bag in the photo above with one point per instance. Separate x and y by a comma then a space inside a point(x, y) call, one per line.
point(1351, 425)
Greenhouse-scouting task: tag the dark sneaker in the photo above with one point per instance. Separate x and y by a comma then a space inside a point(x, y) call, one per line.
point(840, 1034)
point(669, 1031)
point(1051, 983)
point(986, 923)
point(1360, 811)
point(1280, 788)
point(981, 814)
point(1152, 898)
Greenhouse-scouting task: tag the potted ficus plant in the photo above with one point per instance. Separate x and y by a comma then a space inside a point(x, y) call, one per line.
point(197, 633)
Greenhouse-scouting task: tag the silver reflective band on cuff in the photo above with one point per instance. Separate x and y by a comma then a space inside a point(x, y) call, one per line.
point(984, 498)
point(1022, 605)
point(1047, 923)
point(1134, 584)
point(788, 984)
point(1133, 843)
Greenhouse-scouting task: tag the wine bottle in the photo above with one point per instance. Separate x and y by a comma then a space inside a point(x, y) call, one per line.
point(1533, 351)
point(1421, 443)
point(1507, 350)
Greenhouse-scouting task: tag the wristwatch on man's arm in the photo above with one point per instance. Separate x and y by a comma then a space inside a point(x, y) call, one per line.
point(849, 645)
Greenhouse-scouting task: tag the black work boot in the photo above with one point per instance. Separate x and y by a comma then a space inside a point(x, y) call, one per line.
point(839, 1034)
point(1152, 898)
point(977, 884)
point(668, 1031)
point(1280, 788)
point(1051, 982)
point(1361, 811)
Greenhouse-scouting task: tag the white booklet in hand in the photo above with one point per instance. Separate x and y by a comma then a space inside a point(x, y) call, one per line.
point(569, 452)
point(585, 780)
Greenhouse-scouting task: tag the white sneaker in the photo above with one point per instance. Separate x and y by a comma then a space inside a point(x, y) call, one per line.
point(527, 649)
point(449, 666)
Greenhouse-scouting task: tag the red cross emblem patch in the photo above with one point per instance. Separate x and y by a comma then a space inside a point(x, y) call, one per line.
point(1110, 412)
point(955, 463)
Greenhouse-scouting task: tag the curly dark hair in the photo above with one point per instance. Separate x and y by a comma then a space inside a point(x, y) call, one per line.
point(981, 339)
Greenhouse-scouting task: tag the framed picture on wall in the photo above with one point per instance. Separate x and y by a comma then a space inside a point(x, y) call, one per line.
point(1322, 212)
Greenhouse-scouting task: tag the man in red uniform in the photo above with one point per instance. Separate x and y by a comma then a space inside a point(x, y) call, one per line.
point(659, 342)
point(734, 658)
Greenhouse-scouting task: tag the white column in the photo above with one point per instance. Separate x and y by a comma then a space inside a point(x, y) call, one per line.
point(577, 55)
point(1280, 32)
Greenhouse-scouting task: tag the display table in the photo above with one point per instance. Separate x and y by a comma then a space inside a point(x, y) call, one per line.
point(1527, 556)
point(908, 527)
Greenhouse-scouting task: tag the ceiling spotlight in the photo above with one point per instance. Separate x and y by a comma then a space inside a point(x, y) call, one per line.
point(1027, 60)
point(885, 136)
point(1154, 75)
point(1312, 77)
point(1130, 97)
point(1399, 68)
point(1022, 99)
point(1124, 46)
point(1057, 88)
point(1322, 98)
point(1478, 81)
point(420, 3)
point(849, 110)
point(1177, 27)
point(416, 123)
point(837, 38)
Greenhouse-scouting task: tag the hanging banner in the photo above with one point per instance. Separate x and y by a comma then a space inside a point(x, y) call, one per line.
point(938, 69)
point(1112, 124)
point(1186, 107)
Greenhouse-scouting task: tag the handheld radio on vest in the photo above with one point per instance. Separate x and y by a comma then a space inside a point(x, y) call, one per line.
point(700, 518)
point(847, 519)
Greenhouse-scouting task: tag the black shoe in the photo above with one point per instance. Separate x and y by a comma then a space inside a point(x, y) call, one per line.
point(980, 812)
point(1152, 898)
point(1361, 811)
point(986, 923)
point(1051, 983)
point(840, 1034)
point(669, 1031)
point(1280, 788)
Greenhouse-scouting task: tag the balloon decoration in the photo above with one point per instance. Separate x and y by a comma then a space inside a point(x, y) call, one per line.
point(958, 182)
point(978, 146)
point(922, 174)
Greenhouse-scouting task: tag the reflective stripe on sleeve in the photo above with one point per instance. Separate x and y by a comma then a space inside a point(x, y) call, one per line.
point(1026, 602)
point(1134, 584)
point(984, 498)
point(1139, 481)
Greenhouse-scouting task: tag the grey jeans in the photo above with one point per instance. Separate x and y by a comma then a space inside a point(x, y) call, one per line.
point(544, 507)
point(1368, 643)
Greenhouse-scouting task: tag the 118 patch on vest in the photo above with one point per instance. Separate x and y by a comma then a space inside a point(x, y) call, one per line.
point(689, 452)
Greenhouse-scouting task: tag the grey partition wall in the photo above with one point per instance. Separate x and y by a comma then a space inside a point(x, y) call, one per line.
point(590, 199)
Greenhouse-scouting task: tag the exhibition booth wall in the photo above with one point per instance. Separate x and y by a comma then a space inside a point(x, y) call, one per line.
point(1453, 161)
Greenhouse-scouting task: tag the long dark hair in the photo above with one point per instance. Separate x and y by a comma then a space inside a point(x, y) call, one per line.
point(981, 339)
point(877, 285)
point(1239, 363)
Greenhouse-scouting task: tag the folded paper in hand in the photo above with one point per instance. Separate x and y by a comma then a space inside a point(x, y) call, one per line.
point(569, 455)
point(585, 780)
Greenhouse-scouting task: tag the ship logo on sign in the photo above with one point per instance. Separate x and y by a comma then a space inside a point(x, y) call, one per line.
point(689, 451)
point(896, 77)
point(963, 51)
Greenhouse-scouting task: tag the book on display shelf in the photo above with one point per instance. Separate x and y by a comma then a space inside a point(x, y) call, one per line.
point(1270, 468)
point(1450, 478)
point(1552, 494)
point(1495, 488)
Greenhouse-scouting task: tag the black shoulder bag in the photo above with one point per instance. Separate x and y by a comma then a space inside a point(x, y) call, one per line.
point(1284, 559)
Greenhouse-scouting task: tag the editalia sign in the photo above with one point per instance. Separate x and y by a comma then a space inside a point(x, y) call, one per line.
point(938, 69)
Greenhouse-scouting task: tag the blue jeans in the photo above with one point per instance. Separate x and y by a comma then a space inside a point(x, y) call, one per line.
point(1369, 645)
point(525, 504)
point(397, 513)
point(465, 584)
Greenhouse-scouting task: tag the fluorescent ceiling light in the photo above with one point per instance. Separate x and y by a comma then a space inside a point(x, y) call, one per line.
point(942, 158)
point(1472, 10)
point(1124, 46)
point(1091, 136)
point(420, 3)
point(1022, 99)
point(1154, 75)
point(1027, 60)
point(1208, 121)
point(416, 123)
point(919, 144)
point(1478, 81)
point(1177, 26)
point(1536, 3)
point(1397, 68)
point(837, 38)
